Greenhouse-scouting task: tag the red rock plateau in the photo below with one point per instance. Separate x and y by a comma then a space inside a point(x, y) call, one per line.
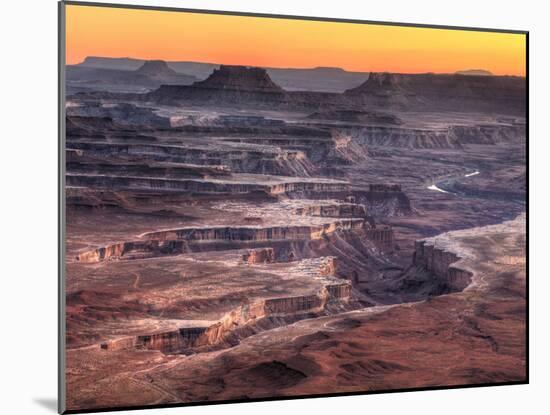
point(237, 238)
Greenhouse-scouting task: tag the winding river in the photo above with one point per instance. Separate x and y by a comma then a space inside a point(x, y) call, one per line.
point(438, 189)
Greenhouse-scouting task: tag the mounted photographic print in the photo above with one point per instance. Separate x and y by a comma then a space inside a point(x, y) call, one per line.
point(258, 207)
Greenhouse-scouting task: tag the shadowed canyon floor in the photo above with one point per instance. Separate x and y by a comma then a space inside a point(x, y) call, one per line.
point(232, 238)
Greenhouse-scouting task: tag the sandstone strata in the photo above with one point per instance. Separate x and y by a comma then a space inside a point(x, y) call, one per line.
point(259, 256)
point(438, 262)
point(245, 320)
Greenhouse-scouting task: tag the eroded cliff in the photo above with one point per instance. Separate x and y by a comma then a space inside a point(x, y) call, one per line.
point(248, 319)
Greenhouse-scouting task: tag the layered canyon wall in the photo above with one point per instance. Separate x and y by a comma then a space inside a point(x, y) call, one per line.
point(438, 261)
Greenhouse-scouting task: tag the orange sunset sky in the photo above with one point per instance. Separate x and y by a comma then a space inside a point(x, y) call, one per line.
point(272, 42)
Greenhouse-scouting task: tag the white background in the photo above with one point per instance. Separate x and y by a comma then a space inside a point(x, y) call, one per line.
point(28, 204)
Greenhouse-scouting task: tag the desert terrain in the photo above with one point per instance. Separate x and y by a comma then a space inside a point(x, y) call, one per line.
point(239, 232)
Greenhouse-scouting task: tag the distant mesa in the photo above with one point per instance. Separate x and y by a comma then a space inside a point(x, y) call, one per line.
point(382, 89)
point(240, 78)
point(253, 86)
point(327, 79)
point(238, 85)
point(246, 86)
point(122, 75)
point(329, 69)
point(478, 72)
point(124, 64)
point(429, 91)
point(156, 68)
point(319, 79)
point(381, 81)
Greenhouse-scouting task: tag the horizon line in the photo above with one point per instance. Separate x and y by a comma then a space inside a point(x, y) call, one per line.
point(294, 67)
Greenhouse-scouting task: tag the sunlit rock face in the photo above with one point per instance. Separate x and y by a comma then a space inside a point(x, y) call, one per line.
point(260, 256)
